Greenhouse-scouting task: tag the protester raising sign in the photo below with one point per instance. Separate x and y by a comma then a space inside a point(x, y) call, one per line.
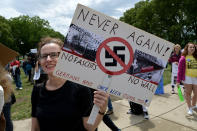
point(97, 45)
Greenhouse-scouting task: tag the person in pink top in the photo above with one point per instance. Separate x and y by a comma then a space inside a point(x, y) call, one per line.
point(174, 60)
point(187, 73)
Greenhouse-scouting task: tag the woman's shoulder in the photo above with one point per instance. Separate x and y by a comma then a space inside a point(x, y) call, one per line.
point(182, 61)
point(182, 57)
point(1, 89)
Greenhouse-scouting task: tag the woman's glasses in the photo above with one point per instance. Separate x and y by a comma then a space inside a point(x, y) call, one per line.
point(52, 55)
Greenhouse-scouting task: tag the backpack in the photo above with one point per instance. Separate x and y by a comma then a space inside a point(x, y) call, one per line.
point(135, 108)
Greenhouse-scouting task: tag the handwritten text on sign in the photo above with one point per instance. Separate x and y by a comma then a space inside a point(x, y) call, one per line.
point(78, 60)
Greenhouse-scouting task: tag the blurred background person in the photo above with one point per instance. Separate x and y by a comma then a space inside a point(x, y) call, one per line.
point(110, 107)
point(137, 109)
point(24, 66)
point(5, 91)
point(15, 70)
point(174, 60)
point(187, 73)
point(28, 68)
point(7, 107)
point(39, 74)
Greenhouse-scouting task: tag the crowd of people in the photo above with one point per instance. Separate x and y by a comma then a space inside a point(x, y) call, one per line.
point(184, 72)
point(187, 73)
point(59, 104)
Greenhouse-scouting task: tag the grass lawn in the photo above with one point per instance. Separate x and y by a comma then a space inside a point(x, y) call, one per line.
point(22, 108)
point(167, 75)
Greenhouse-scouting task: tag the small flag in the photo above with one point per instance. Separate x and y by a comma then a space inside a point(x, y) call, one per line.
point(180, 93)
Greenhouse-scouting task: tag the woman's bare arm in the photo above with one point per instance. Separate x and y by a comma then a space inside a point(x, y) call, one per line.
point(35, 125)
point(101, 100)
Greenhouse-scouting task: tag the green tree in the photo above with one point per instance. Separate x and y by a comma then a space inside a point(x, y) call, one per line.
point(190, 19)
point(173, 20)
point(6, 37)
point(28, 31)
point(170, 17)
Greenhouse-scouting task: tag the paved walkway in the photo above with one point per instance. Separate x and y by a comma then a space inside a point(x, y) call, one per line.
point(167, 113)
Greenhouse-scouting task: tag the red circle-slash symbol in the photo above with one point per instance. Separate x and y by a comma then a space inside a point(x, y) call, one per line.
point(114, 55)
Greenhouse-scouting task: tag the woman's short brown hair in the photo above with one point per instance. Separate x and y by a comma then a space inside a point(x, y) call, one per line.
point(47, 40)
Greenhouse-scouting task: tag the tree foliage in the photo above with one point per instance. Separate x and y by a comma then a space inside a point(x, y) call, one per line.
point(173, 20)
point(23, 33)
point(6, 36)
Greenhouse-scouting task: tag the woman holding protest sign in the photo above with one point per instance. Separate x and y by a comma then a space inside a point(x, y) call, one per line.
point(59, 104)
point(174, 60)
point(187, 72)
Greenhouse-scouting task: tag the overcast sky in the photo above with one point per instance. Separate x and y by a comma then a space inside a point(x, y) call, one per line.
point(59, 13)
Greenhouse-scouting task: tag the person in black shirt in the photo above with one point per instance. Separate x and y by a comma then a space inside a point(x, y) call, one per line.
point(137, 109)
point(59, 104)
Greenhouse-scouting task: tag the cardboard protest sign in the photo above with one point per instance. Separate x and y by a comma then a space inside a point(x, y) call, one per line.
point(97, 45)
point(6, 54)
point(174, 73)
point(174, 69)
